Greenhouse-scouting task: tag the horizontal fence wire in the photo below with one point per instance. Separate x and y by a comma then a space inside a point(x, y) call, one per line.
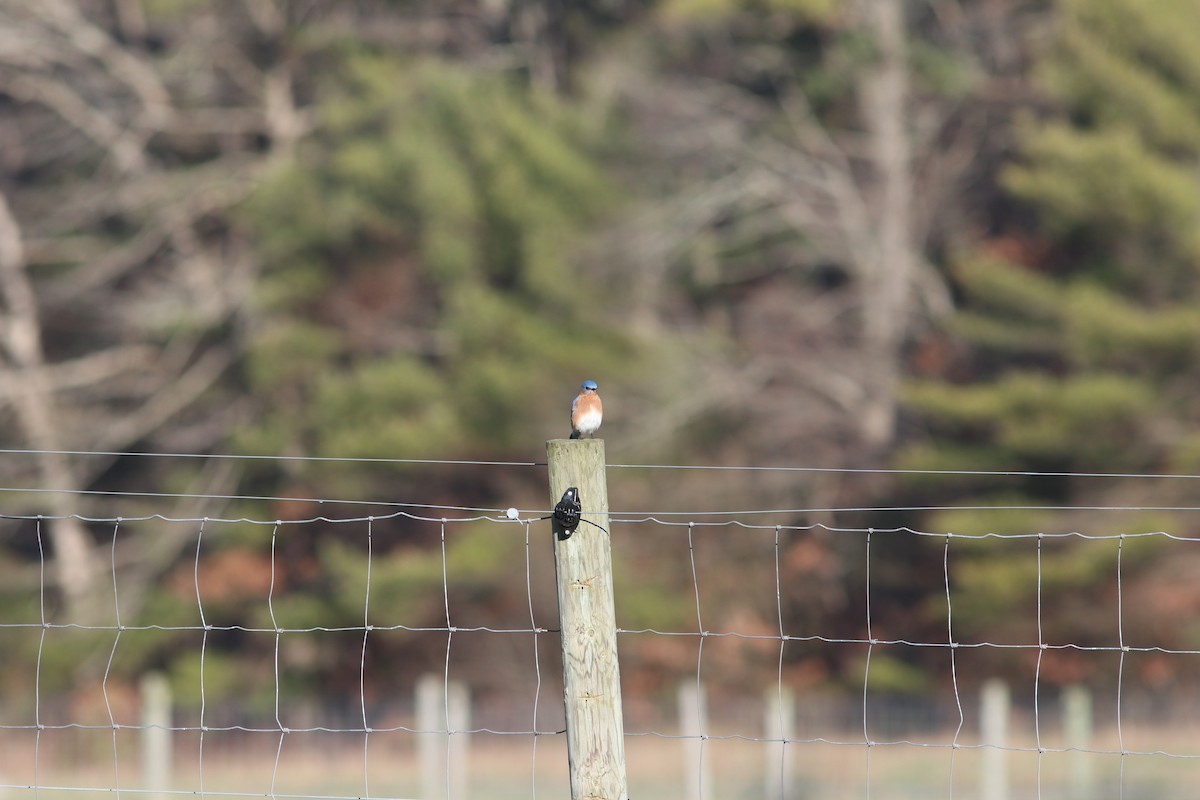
point(526, 530)
point(702, 467)
point(627, 514)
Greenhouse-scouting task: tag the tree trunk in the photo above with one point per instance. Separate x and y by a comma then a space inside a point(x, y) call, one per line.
point(33, 403)
point(887, 288)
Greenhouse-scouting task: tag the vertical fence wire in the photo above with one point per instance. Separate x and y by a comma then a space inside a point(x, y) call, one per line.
point(700, 713)
point(278, 635)
point(37, 675)
point(953, 645)
point(867, 665)
point(1037, 673)
point(449, 641)
point(1121, 662)
point(204, 647)
point(112, 654)
point(783, 728)
point(362, 664)
point(537, 668)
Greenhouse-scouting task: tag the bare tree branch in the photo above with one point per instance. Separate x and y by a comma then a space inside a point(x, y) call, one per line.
point(181, 392)
point(121, 63)
point(33, 401)
point(152, 260)
point(59, 98)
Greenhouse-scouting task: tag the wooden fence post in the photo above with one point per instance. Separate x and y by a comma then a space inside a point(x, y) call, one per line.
point(588, 625)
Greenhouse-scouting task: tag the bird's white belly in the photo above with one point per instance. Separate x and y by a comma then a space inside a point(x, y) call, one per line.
point(589, 422)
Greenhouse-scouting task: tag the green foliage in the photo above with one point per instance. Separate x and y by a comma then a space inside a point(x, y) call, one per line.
point(1084, 360)
point(999, 287)
point(939, 70)
point(1043, 418)
point(996, 583)
point(642, 602)
point(394, 405)
point(168, 9)
point(1111, 186)
point(288, 351)
point(998, 520)
point(703, 10)
point(1125, 63)
point(1071, 359)
point(229, 681)
point(441, 207)
point(484, 181)
point(1028, 318)
point(892, 675)
point(418, 284)
point(406, 581)
point(1107, 332)
point(1118, 170)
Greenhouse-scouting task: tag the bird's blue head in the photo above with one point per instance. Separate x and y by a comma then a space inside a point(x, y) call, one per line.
point(589, 386)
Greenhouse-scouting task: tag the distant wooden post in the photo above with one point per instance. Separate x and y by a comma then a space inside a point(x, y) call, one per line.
point(779, 722)
point(458, 745)
point(431, 717)
point(693, 722)
point(444, 756)
point(156, 734)
point(993, 716)
point(587, 619)
point(1077, 726)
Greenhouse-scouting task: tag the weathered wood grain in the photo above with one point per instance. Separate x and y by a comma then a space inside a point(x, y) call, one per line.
point(592, 680)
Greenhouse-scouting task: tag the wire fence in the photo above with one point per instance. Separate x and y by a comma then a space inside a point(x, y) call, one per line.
point(739, 682)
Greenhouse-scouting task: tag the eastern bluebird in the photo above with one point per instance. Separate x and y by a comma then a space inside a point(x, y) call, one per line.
point(586, 411)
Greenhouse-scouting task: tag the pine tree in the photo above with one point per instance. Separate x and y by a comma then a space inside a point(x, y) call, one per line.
point(438, 208)
point(1078, 352)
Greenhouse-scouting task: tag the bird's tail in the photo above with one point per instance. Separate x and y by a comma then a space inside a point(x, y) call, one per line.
point(575, 434)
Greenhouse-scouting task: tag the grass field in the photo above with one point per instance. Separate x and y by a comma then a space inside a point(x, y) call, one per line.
point(507, 767)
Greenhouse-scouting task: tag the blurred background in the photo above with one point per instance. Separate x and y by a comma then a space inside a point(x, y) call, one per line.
point(884, 238)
